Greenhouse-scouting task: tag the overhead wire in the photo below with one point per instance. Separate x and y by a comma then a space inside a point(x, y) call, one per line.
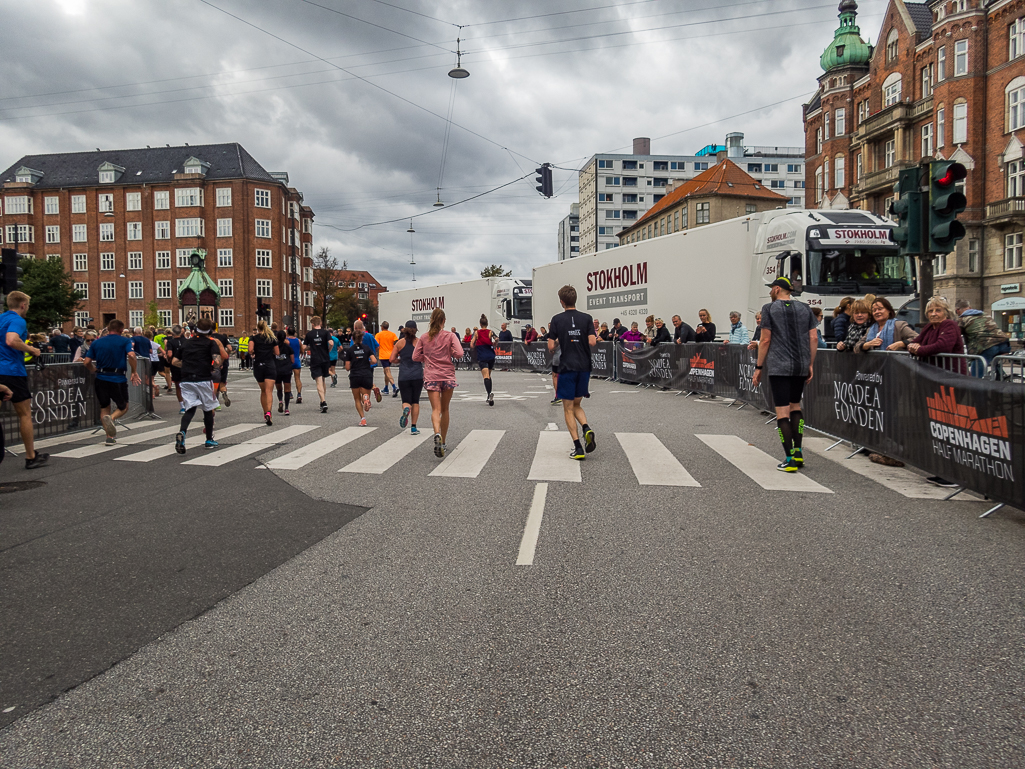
point(372, 24)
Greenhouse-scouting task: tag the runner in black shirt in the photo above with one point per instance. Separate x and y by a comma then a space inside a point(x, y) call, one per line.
point(573, 332)
point(359, 358)
point(221, 377)
point(319, 342)
point(264, 348)
point(196, 359)
point(283, 364)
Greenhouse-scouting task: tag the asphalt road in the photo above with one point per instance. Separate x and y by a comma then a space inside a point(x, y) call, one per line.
point(711, 625)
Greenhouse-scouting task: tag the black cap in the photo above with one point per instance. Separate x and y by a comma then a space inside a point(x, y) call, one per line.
point(411, 324)
point(783, 283)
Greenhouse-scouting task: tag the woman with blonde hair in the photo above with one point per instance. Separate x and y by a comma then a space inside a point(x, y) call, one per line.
point(265, 368)
point(705, 330)
point(436, 350)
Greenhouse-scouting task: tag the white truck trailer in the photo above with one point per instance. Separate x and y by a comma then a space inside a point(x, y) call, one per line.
point(724, 266)
point(503, 300)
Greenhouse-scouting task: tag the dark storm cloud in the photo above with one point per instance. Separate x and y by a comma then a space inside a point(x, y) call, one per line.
point(187, 72)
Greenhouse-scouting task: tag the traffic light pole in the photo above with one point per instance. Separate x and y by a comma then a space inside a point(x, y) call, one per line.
point(925, 259)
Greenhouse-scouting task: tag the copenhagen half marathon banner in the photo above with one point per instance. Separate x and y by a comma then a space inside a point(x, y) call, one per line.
point(62, 402)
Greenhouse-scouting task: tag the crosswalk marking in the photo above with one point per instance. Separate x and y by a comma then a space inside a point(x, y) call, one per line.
point(552, 461)
point(759, 466)
point(470, 456)
point(387, 454)
point(653, 464)
point(166, 450)
point(79, 436)
point(311, 451)
point(123, 440)
point(244, 449)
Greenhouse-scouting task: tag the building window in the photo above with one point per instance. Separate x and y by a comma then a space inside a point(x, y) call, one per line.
point(163, 289)
point(163, 260)
point(224, 258)
point(799, 184)
point(226, 286)
point(188, 197)
point(702, 166)
point(612, 213)
point(1016, 179)
point(83, 290)
point(819, 191)
point(941, 264)
point(22, 233)
point(224, 228)
point(263, 288)
point(263, 198)
point(960, 58)
point(263, 257)
point(223, 196)
point(135, 289)
point(794, 168)
point(107, 290)
point(107, 232)
point(941, 126)
point(941, 63)
point(818, 140)
point(704, 213)
point(183, 257)
point(161, 200)
point(179, 283)
point(78, 204)
point(165, 317)
point(134, 230)
point(889, 153)
point(773, 168)
point(18, 205)
point(263, 228)
point(630, 165)
point(308, 250)
point(927, 140)
point(605, 197)
point(163, 230)
point(135, 260)
point(53, 233)
point(189, 228)
point(891, 90)
point(226, 317)
point(82, 318)
point(777, 184)
point(606, 231)
point(838, 172)
point(307, 226)
point(604, 165)
point(1012, 251)
point(676, 222)
point(960, 123)
point(825, 131)
point(610, 245)
point(754, 168)
point(107, 261)
point(80, 262)
point(106, 177)
point(1017, 41)
point(973, 255)
point(750, 208)
point(135, 318)
point(927, 81)
point(891, 45)
point(51, 205)
point(1016, 104)
point(840, 118)
point(105, 202)
point(613, 181)
point(133, 201)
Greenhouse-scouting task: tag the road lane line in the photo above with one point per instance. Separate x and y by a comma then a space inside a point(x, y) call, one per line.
point(468, 458)
point(533, 528)
point(244, 449)
point(759, 466)
point(123, 440)
point(653, 464)
point(552, 427)
point(552, 461)
point(148, 455)
point(308, 453)
point(381, 459)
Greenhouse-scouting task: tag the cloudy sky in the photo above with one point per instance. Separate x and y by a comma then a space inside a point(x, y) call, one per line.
point(350, 98)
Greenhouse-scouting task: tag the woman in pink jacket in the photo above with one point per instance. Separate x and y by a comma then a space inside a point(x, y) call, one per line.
point(436, 350)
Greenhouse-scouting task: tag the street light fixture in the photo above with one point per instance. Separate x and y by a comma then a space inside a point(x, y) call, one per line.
point(457, 72)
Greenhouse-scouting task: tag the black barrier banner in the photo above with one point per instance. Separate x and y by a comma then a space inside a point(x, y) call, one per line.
point(62, 401)
point(602, 359)
point(735, 369)
point(657, 366)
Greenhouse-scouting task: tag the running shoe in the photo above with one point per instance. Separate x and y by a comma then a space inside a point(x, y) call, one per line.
point(108, 426)
point(404, 419)
point(491, 399)
point(281, 407)
point(556, 400)
point(179, 443)
point(334, 380)
point(413, 430)
point(323, 407)
point(577, 454)
point(181, 410)
point(227, 401)
point(210, 444)
point(366, 402)
point(218, 408)
point(798, 456)
point(110, 441)
point(439, 447)
point(589, 444)
point(394, 393)
point(299, 398)
point(363, 422)
point(38, 460)
point(789, 466)
point(377, 394)
point(267, 419)
point(286, 412)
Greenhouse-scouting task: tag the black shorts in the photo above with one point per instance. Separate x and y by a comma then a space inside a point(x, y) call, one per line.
point(18, 385)
point(484, 363)
point(224, 372)
point(364, 381)
point(264, 372)
point(786, 389)
point(156, 366)
point(385, 363)
point(284, 374)
point(410, 390)
point(318, 370)
point(112, 391)
point(176, 374)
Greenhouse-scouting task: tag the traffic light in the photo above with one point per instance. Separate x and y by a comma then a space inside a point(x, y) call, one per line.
point(262, 309)
point(907, 210)
point(10, 272)
point(363, 317)
point(544, 180)
point(946, 201)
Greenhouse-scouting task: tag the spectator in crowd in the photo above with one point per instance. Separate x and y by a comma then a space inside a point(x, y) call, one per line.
point(684, 333)
point(604, 334)
point(633, 335)
point(753, 344)
point(705, 331)
point(661, 333)
point(981, 335)
point(842, 318)
point(941, 335)
point(531, 334)
point(83, 348)
point(60, 343)
point(543, 333)
point(817, 312)
point(885, 333)
point(857, 326)
point(505, 335)
point(77, 337)
point(468, 336)
point(617, 330)
point(738, 332)
point(649, 329)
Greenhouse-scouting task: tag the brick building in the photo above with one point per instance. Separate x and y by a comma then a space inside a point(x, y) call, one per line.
point(724, 191)
point(124, 223)
point(946, 80)
point(366, 286)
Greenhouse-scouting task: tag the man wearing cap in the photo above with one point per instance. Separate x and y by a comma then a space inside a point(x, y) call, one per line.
point(617, 330)
point(786, 352)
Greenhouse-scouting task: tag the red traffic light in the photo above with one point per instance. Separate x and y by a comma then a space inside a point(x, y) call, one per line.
point(953, 173)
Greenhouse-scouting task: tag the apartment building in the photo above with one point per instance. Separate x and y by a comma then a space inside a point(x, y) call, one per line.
point(569, 234)
point(947, 80)
point(366, 286)
point(124, 223)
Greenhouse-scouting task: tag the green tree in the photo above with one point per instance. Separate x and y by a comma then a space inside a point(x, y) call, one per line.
point(495, 271)
point(54, 298)
point(325, 268)
point(152, 317)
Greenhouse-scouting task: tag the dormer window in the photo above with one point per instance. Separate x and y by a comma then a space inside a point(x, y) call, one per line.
point(195, 166)
point(27, 175)
point(110, 173)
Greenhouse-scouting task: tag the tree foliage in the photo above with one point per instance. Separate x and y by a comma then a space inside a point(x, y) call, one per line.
point(324, 268)
point(54, 298)
point(152, 317)
point(495, 271)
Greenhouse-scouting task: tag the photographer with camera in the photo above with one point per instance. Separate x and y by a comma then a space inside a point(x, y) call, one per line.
point(13, 375)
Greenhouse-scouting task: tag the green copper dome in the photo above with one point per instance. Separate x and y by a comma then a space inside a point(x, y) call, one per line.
point(847, 47)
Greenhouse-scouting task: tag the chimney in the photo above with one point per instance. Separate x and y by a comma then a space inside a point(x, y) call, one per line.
point(642, 146)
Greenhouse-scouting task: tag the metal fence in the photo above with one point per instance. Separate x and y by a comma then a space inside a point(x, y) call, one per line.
point(1008, 368)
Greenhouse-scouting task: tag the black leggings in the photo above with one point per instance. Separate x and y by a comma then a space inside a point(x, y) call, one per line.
point(208, 421)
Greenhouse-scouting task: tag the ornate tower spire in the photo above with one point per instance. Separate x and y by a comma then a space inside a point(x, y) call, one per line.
point(847, 48)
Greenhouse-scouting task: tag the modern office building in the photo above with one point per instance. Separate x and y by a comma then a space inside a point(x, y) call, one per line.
point(615, 191)
point(569, 234)
point(124, 223)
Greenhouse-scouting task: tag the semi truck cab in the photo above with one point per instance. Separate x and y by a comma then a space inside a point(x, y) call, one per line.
point(514, 304)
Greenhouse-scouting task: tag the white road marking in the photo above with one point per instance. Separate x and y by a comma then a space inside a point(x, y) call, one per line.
point(468, 458)
point(552, 461)
point(123, 440)
point(552, 426)
point(244, 449)
point(76, 437)
point(311, 451)
point(148, 455)
point(759, 466)
point(533, 528)
point(612, 392)
point(653, 464)
point(381, 459)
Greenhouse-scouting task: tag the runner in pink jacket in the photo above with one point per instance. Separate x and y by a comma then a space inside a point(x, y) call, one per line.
point(436, 350)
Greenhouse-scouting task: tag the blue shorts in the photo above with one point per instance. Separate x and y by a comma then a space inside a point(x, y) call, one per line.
point(573, 385)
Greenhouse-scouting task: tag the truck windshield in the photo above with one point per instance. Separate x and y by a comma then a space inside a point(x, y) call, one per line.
point(522, 307)
point(859, 270)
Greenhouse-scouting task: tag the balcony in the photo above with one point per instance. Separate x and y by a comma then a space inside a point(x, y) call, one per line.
point(874, 181)
point(901, 114)
point(1006, 212)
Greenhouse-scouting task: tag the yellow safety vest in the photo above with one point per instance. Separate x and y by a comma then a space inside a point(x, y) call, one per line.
point(243, 344)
